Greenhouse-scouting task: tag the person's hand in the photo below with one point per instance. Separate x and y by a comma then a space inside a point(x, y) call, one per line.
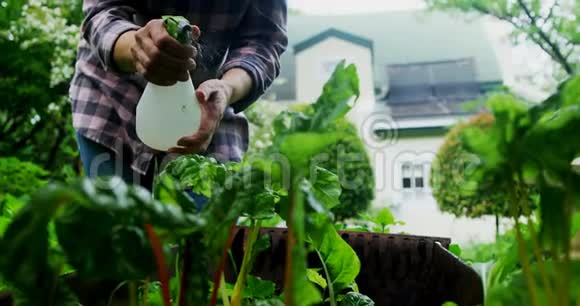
point(161, 58)
point(213, 96)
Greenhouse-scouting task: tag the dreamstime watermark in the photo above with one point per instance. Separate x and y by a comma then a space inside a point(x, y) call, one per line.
point(379, 131)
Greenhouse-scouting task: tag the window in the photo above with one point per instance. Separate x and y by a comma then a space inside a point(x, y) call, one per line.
point(419, 176)
point(327, 68)
point(413, 176)
point(407, 176)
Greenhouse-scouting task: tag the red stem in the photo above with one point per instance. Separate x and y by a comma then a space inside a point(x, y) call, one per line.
point(161, 267)
point(221, 267)
point(185, 271)
point(290, 243)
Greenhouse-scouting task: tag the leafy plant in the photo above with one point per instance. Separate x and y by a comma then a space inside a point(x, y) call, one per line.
point(518, 151)
point(126, 231)
point(377, 222)
point(450, 169)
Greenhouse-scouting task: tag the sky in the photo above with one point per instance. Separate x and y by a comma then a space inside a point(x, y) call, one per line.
point(326, 7)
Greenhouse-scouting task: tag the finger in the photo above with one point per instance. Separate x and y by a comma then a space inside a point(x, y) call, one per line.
point(168, 44)
point(199, 139)
point(162, 58)
point(204, 93)
point(195, 32)
point(179, 150)
point(150, 72)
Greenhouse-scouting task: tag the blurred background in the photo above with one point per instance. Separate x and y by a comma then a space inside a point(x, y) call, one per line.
point(424, 68)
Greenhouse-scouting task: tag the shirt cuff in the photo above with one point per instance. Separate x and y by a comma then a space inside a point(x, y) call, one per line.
point(257, 83)
point(111, 35)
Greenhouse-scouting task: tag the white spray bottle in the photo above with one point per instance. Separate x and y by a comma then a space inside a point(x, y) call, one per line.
point(167, 113)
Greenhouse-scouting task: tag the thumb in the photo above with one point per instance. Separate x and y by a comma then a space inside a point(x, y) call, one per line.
point(202, 94)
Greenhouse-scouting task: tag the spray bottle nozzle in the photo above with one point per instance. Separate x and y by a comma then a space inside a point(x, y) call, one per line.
point(179, 28)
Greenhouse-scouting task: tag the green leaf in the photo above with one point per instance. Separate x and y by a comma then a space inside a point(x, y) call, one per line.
point(270, 302)
point(316, 278)
point(552, 214)
point(340, 260)
point(455, 249)
point(341, 89)
point(356, 299)
point(326, 187)
point(385, 217)
point(257, 288)
point(449, 304)
point(554, 131)
point(300, 148)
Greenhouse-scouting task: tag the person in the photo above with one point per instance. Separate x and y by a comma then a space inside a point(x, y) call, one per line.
point(124, 45)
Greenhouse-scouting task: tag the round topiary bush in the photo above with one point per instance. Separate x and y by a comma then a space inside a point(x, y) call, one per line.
point(450, 182)
point(349, 160)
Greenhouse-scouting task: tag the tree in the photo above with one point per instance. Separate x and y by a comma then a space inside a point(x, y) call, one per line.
point(449, 177)
point(38, 41)
point(347, 158)
point(550, 24)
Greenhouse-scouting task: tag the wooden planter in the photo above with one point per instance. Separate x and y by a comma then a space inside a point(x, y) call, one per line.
point(396, 270)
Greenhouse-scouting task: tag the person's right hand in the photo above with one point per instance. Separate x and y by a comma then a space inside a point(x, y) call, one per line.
point(160, 58)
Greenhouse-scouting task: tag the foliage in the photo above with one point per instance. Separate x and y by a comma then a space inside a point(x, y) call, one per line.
point(377, 222)
point(339, 261)
point(106, 229)
point(450, 169)
point(518, 151)
point(347, 157)
point(18, 178)
point(551, 25)
point(109, 214)
point(356, 299)
point(486, 252)
point(38, 39)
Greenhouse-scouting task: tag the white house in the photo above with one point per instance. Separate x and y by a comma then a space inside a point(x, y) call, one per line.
point(417, 69)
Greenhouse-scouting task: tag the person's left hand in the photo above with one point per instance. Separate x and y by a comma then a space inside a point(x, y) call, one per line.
point(213, 97)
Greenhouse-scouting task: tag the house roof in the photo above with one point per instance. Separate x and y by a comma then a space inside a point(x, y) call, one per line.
point(398, 38)
point(332, 32)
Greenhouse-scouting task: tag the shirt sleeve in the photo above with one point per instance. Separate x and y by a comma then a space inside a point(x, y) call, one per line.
point(259, 42)
point(105, 21)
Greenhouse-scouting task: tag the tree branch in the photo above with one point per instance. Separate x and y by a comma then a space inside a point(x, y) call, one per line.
point(556, 52)
point(551, 12)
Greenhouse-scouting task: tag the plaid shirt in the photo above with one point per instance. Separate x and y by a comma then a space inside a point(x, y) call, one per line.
point(246, 34)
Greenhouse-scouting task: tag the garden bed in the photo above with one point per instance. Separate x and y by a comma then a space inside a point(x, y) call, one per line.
point(400, 270)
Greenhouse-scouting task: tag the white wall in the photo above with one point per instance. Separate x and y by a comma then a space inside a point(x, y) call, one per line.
point(417, 208)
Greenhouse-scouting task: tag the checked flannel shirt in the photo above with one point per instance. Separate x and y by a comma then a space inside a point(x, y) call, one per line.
point(246, 34)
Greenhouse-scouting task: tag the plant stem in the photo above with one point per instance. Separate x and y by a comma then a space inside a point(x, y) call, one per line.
point(541, 264)
point(186, 270)
point(290, 244)
point(521, 247)
point(536, 245)
point(328, 280)
point(145, 292)
point(246, 263)
point(161, 267)
point(221, 266)
point(225, 298)
point(132, 294)
point(566, 264)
